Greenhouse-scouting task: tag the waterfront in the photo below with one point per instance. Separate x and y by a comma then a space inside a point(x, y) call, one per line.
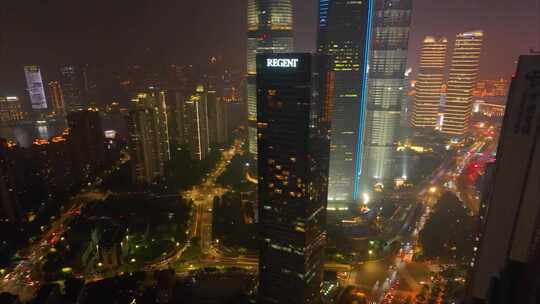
point(24, 134)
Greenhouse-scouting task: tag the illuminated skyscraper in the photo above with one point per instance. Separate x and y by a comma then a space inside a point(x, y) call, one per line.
point(10, 109)
point(195, 122)
point(344, 35)
point(461, 81)
point(57, 98)
point(149, 137)
point(427, 101)
point(386, 83)
point(270, 25)
point(293, 176)
point(34, 84)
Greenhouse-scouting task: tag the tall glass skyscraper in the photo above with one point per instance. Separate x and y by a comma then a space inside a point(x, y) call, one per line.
point(427, 102)
point(270, 25)
point(293, 176)
point(387, 66)
point(344, 35)
point(461, 80)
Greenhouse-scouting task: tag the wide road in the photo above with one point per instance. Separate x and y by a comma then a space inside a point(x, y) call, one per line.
point(428, 193)
point(202, 195)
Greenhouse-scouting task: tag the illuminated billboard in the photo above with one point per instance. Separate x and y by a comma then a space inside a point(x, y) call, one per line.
point(34, 84)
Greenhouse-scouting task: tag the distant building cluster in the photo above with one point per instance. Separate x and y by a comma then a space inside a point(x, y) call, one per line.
point(491, 88)
point(51, 167)
point(198, 112)
point(447, 105)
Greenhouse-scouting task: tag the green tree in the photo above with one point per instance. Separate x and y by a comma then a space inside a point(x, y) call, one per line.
point(448, 233)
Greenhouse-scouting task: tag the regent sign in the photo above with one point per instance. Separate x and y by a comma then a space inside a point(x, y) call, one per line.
point(281, 63)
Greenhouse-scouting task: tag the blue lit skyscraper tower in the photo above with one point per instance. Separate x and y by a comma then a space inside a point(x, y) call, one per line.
point(345, 35)
point(270, 30)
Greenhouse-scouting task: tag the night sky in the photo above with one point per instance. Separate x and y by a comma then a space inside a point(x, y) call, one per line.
point(182, 31)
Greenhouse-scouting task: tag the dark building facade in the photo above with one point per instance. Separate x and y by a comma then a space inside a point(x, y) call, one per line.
point(507, 262)
point(386, 89)
point(9, 205)
point(293, 130)
point(86, 143)
point(344, 35)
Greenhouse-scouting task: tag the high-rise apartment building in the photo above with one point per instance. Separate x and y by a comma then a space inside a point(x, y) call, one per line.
point(149, 135)
point(427, 101)
point(508, 258)
point(461, 81)
point(270, 30)
point(56, 97)
point(79, 86)
point(217, 112)
point(9, 206)
point(344, 35)
point(11, 109)
point(195, 123)
point(293, 176)
point(86, 143)
point(34, 84)
point(386, 89)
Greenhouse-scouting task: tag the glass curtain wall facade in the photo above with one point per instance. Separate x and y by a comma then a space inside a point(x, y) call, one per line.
point(293, 177)
point(270, 25)
point(344, 35)
point(386, 89)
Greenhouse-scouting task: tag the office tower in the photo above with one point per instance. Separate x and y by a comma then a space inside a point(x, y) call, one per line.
point(344, 35)
point(10, 109)
point(34, 84)
point(386, 83)
point(148, 136)
point(293, 175)
point(74, 85)
point(427, 101)
point(270, 30)
point(195, 122)
point(461, 81)
point(56, 97)
point(9, 205)
point(86, 142)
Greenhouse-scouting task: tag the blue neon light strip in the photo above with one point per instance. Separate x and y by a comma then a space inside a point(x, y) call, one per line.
point(363, 105)
point(323, 12)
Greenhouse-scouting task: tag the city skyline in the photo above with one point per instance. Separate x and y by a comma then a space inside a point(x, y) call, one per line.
point(270, 152)
point(429, 19)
